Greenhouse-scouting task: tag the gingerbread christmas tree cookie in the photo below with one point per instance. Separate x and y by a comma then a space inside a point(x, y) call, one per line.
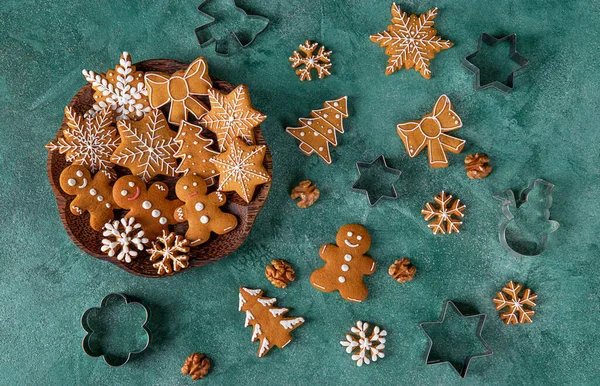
point(179, 89)
point(232, 116)
point(147, 146)
point(88, 141)
point(316, 133)
point(269, 325)
point(122, 90)
point(431, 132)
point(241, 168)
point(411, 41)
point(195, 152)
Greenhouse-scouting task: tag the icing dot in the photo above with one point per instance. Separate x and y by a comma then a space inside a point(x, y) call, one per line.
point(342, 279)
point(107, 205)
point(204, 219)
point(163, 220)
point(337, 116)
point(185, 187)
point(350, 234)
point(123, 192)
point(79, 173)
point(325, 115)
point(347, 257)
point(315, 133)
point(456, 122)
point(93, 192)
point(132, 184)
point(195, 184)
point(189, 156)
point(336, 104)
point(155, 213)
point(345, 267)
point(100, 198)
point(329, 131)
point(320, 148)
point(309, 122)
point(359, 238)
point(199, 206)
point(71, 182)
point(302, 133)
point(146, 205)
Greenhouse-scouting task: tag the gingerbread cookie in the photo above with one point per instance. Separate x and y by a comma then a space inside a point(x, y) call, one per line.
point(147, 146)
point(319, 61)
point(93, 195)
point(345, 264)
point(149, 206)
point(195, 152)
point(231, 116)
point(179, 90)
point(241, 168)
point(201, 210)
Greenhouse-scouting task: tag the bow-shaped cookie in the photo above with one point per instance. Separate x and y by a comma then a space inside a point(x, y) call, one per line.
point(178, 89)
point(431, 131)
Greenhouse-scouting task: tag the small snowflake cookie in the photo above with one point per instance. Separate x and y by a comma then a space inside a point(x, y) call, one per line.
point(370, 347)
point(446, 218)
point(122, 90)
point(517, 311)
point(170, 253)
point(319, 62)
point(122, 239)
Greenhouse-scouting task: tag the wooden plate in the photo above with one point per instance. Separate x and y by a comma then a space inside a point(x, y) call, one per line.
point(89, 240)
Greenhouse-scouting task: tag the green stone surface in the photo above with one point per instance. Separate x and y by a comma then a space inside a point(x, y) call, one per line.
point(548, 127)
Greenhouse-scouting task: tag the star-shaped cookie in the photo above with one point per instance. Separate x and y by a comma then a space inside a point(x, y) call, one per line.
point(147, 146)
point(241, 168)
point(232, 116)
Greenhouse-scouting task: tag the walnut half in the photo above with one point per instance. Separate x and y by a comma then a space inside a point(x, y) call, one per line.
point(280, 273)
point(477, 166)
point(307, 192)
point(196, 366)
point(402, 270)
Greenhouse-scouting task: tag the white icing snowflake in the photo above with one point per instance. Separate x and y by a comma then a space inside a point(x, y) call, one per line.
point(122, 89)
point(124, 235)
point(371, 345)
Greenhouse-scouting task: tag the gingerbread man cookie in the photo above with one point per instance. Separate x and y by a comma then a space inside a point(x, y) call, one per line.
point(345, 264)
point(92, 194)
point(201, 210)
point(149, 206)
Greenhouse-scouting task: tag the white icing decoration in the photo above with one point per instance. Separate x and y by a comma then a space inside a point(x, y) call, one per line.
point(253, 292)
point(263, 347)
point(267, 301)
point(93, 192)
point(155, 213)
point(72, 182)
point(131, 184)
point(146, 205)
point(249, 317)
point(108, 205)
point(370, 346)
point(342, 279)
point(83, 184)
point(122, 237)
point(350, 234)
point(289, 324)
point(79, 173)
point(359, 237)
point(278, 311)
point(124, 192)
point(347, 257)
point(199, 206)
point(163, 220)
point(204, 219)
point(256, 331)
point(100, 198)
point(348, 243)
point(345, 267)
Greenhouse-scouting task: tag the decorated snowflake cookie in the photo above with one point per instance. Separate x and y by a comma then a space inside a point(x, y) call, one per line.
point(122, 238)
point(446, 218)
point(309, 60)
point(170, 253)
point(368, 345)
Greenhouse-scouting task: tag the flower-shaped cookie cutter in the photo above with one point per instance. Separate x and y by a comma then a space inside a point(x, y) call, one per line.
point(509, 204)
point(90, 349)
point(492, 41)
point(467, 361)
point(205, 37)
point(381, 166)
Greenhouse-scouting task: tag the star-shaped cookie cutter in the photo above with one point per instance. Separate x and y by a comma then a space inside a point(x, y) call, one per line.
point(462, 372)
point(378, 162)
point(206, 39)
point(108, 358)
point(492, 41)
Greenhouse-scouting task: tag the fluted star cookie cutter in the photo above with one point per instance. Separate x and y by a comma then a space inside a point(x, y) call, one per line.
point(205, 37)
point(366, 187)
point(515, 243)
point(492, 41)
point(91, 345)
point(467, 361)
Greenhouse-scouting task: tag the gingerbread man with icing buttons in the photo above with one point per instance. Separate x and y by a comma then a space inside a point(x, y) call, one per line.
point(149, 206)
point(345, 264)
point(201, 211)
point(93, 195)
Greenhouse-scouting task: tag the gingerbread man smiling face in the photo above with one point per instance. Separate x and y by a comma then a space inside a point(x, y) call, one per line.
point(345, 264)
point(149, 206)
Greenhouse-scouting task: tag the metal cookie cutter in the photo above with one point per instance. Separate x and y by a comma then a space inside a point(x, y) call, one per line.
point(492, 41)
point(205, 36)
point(365, 184)
point(516, 243)
point(90, 344)
point(465, 367)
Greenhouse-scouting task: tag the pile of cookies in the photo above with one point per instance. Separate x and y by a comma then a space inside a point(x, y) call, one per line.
point(138, 138)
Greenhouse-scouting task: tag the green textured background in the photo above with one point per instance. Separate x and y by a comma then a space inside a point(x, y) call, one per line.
point(548, 128)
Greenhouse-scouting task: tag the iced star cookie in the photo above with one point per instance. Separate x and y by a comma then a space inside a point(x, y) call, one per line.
point(232, 116)
point(93, 195)
point(345, 264)
point(122, 90)
point(241, 168)
point(149, 206)
point(179, 90)
point(147, 146)
point(201, 211)
point(195, 152)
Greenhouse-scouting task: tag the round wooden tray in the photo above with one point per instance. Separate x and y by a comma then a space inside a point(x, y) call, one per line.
point(216, 248)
